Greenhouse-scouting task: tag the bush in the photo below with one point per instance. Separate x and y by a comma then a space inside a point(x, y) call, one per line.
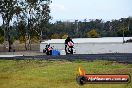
point(35, 39)
point(1, 39)
point(22, 39)
point(64, 36)
point(93, 34)
point(55, 36)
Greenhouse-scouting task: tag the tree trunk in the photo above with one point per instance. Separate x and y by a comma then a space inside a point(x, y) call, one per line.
point(9, 36)
point(10, 43)
point(29, 42)
point(4, 33)
point(25, 43)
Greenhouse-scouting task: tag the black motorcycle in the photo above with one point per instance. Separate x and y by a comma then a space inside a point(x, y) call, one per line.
point(48, 49)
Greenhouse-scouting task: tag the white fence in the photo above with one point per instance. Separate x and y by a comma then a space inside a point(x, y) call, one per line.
point(94, 48)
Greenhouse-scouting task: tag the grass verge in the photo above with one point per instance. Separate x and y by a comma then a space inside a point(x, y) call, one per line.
point(56, 74)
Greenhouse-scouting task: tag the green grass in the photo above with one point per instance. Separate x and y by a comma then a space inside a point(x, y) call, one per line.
point(56, 74)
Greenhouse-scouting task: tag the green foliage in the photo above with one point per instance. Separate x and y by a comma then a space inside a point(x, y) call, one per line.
point(22, 39)
point(104, 29)
point(1, 32)
point(126, 32)
point(93, 34)
point(1, 36)
point(1, 39)
point(8, 11)
point(55, 36)
point(64, 36)
point(31, 25)
point(35, 39)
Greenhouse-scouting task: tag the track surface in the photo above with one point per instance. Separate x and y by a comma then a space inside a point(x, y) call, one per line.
point(119, 57)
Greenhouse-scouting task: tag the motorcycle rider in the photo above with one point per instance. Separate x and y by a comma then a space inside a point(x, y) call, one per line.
point(68, 43)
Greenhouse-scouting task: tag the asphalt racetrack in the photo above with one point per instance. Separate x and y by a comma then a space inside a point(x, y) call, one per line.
point(118, 57)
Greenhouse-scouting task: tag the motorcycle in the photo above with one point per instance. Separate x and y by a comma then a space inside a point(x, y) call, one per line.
point(48, 49)
point(70, 48)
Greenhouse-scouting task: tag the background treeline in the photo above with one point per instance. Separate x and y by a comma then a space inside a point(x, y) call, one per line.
point(91, 28)
point(78, 29)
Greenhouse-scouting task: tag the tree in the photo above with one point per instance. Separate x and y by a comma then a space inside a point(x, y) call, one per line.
point(38, 11)
point(7, 10)
point(1, 31)
point(1, 36)
point(22, 26)
point(124, 32)
point(93, 34)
